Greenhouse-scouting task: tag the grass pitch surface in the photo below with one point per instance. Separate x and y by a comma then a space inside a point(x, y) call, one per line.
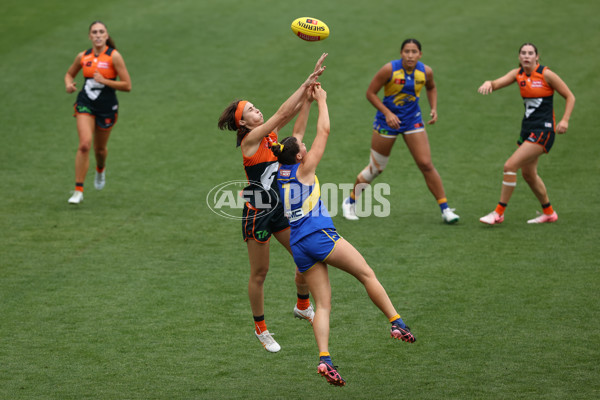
point(140, 291)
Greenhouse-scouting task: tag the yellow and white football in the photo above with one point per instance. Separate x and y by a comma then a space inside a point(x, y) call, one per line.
point(310, 29)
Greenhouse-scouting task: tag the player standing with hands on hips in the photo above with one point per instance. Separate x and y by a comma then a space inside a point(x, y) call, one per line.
point(399, 114)
point(96, 107)
point(537, 84)
point(314, 240)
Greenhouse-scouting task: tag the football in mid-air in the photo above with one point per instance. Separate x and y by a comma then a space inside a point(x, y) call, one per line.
point(310, 29)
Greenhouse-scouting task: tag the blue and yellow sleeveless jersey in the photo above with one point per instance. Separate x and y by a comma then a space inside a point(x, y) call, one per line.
point(302, 204)
point(403, 90)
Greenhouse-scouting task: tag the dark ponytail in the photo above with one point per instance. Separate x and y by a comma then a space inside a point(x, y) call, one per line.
point(227, 121)
point(286, 150)
point(111, 43)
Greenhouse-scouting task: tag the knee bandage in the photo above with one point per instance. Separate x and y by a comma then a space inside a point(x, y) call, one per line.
point(376, 166)
point(513, 184)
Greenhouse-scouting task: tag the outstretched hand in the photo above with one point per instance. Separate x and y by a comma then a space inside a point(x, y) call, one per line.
point(320, 61)
point(319, 68)
point(319, 93)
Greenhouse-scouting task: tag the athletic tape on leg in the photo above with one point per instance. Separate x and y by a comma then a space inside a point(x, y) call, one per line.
point(510, 173)
point(377, 164)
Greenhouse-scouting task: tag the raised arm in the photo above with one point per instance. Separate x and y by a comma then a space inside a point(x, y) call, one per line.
point(561, 87)
point(302, 118)
point(286, 111)
point(308, 92)
point(306, 171)
point(489, 86)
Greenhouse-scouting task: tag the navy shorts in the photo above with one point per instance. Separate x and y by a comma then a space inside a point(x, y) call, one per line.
point(105, 118)
point(314, 248)
point(260, 224)
point(543, 138)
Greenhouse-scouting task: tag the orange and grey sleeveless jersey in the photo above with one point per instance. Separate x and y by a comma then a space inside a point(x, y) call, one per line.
point(538, 99)
point(261, 170)
point(101, 96)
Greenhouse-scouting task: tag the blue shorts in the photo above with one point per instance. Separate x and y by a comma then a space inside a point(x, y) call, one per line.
point(408, 125)
point(314, 248)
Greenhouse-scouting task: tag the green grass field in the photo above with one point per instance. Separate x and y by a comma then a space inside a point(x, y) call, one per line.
point(140, 292)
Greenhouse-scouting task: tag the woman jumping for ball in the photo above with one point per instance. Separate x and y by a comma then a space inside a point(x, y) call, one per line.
point(314, 240)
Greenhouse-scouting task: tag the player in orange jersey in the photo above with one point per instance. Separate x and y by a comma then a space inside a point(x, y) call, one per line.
point(96, 107)
point(537, 84)
point(263, 212)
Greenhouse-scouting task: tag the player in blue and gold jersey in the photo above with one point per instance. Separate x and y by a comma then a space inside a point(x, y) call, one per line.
point(537, 84)
point(314, 240)
point(399, 114)
point(96, 107)
point(263, 212)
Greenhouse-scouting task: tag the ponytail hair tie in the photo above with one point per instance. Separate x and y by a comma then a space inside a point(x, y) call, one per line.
point(274, 144)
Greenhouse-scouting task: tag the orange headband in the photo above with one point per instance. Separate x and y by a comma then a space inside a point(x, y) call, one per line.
point(238, 112)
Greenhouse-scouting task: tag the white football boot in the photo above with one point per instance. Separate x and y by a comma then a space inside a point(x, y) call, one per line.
point(449, 216)
point(100, 180)
point(266, 339)
point(76, 198)
point(308, 314)
point(349, 209)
